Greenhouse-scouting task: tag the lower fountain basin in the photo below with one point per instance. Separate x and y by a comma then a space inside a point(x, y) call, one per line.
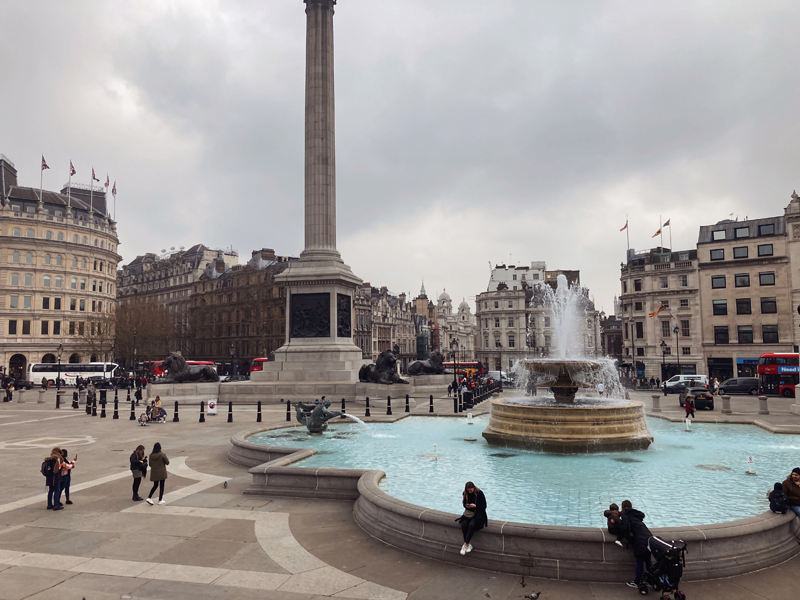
point(570, 429)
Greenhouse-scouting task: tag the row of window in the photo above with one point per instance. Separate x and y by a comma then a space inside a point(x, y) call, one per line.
point(742, 280)
point(666, 329)
point(49, 281)
point(639, 306)
point(512, 342)
point(510, 322)
point(744, 306)
point(769, 334)
point(59, 237)
point(497, 303)
point(743, 232)
point(79, 304)
point(663, 283)
point(741, 252)
point(30, 259)
point(23, 327)
point(685, 351)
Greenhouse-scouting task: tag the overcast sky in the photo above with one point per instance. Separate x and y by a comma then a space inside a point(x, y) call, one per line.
point(467, 131)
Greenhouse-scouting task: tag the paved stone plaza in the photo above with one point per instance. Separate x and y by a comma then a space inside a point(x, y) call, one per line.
point(211, 541)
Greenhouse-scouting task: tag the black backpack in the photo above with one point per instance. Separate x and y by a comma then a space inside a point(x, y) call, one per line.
point(778, 503)
point(47, 467)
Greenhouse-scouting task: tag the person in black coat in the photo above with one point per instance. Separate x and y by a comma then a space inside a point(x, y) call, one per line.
point(638, 535)
point(474, 517)
point(138, 469)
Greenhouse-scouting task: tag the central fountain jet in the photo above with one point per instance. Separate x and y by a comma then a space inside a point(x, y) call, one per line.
point(566, 423)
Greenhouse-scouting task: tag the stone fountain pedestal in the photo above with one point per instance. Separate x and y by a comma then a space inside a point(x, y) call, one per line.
point(569, 428)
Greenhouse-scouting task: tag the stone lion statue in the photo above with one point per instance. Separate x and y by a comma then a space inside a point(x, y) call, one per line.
point(179, 372)
point(434, 365)
point(383, 371)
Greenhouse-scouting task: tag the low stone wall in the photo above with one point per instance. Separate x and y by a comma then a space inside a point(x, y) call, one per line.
point(569, 553)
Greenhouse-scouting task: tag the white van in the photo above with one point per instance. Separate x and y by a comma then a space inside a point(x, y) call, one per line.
point(675, 384)
point(500, 376)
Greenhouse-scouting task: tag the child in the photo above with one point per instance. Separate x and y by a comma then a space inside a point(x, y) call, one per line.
point(614, 523)
point(778, 503)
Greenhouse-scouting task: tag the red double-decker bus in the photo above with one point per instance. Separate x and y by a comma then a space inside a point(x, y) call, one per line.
point(778, 373)
point(465, 368)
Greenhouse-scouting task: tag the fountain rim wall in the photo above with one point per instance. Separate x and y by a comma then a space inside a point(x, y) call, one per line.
point(567, 553)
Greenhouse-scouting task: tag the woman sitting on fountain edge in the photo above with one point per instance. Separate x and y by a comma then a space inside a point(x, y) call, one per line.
point(474, 517)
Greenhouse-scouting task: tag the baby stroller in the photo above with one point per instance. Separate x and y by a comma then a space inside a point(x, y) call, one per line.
point(665, 574)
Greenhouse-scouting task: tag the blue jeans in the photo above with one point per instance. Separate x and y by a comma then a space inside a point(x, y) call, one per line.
point(65, 486)
point(795, 510)
point(640, 562)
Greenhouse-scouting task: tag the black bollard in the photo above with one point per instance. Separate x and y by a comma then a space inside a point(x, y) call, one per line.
point(75, 400)
point(455, 403)
point(88, 406)
point(258, 416)
point(94, 407)
point(175, 417)
point(288, 411)
point(202, 411)
point(102, 409)
point(430, 409)
point(460, 403)
point(116, 394)
point(133, 412)
point(388, 405)
point(116, 409)
point(128, 399)
point(344, 412)
point(230, 412)
point(366, 414)
point(58, 399)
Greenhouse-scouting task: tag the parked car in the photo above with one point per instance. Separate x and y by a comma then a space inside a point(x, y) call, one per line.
point(100, 382)
point(677, 383)
point(23, 384)
point(703, 397)
point(681, 386)
point(740, 385)
point(234, 378)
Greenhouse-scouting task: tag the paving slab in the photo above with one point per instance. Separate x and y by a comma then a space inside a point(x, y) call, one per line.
point(236, 530)
point(324, 581)
point(199, 552)
point(204, 500)
point(253, 580)
point(135, 546)
point(119, 568)
point(95, 587)
point(184, 573)
point(17, 583)
point(48, 561)
point(253, 558)
point(72, 542)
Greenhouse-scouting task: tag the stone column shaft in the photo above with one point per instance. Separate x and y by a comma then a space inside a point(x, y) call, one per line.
point(320, 158)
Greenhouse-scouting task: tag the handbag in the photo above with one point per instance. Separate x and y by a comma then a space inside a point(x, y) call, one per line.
point(469, 513)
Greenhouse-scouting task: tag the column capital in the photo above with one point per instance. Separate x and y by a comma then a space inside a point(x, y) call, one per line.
point(324, 3)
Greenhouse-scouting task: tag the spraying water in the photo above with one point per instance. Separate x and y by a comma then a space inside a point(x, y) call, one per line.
point(568, 305)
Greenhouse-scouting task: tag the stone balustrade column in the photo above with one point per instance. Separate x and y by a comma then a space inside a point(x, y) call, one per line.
point(763, 409)
point(726, 405)
point(656, 403)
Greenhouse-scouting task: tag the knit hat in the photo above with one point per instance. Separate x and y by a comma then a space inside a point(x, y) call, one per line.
point(778, 487)
point(796, 470)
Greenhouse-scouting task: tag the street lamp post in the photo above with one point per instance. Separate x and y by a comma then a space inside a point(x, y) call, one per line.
point(231, 351)
point(663, 360)
point(453, 354)
point(134, 351)
point(499, 347)
point(58, 375)
point(675, 330)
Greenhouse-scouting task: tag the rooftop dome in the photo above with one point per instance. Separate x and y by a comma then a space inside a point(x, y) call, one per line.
point(444, 295)
point(464, 304)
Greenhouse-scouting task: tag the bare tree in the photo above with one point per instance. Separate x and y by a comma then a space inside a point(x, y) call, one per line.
point(143, 330)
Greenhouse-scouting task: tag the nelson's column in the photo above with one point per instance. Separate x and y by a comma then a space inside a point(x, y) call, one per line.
point(319, 333)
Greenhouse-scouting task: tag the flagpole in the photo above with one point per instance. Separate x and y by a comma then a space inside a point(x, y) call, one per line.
point(69, 189)
point(627, 235)
point(91, 198)
point(670, 234)
point(41, 178)
point(661, 231)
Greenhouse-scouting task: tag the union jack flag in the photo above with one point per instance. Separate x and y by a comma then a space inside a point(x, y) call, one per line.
point(114, 189)
point(93, 177)
point(107, 181)
point(44, 163)
point(71, 169)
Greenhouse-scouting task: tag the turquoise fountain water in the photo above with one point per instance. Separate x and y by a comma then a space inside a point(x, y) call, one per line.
point(682, 479)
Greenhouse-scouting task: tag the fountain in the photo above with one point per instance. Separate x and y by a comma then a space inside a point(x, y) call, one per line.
point(567, 422)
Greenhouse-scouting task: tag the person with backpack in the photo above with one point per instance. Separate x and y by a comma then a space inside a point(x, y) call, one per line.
point(66, 474)
point(639, 535)
point(778, 503)
point(138, 395)
point(158, 473)
point(51, 469)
